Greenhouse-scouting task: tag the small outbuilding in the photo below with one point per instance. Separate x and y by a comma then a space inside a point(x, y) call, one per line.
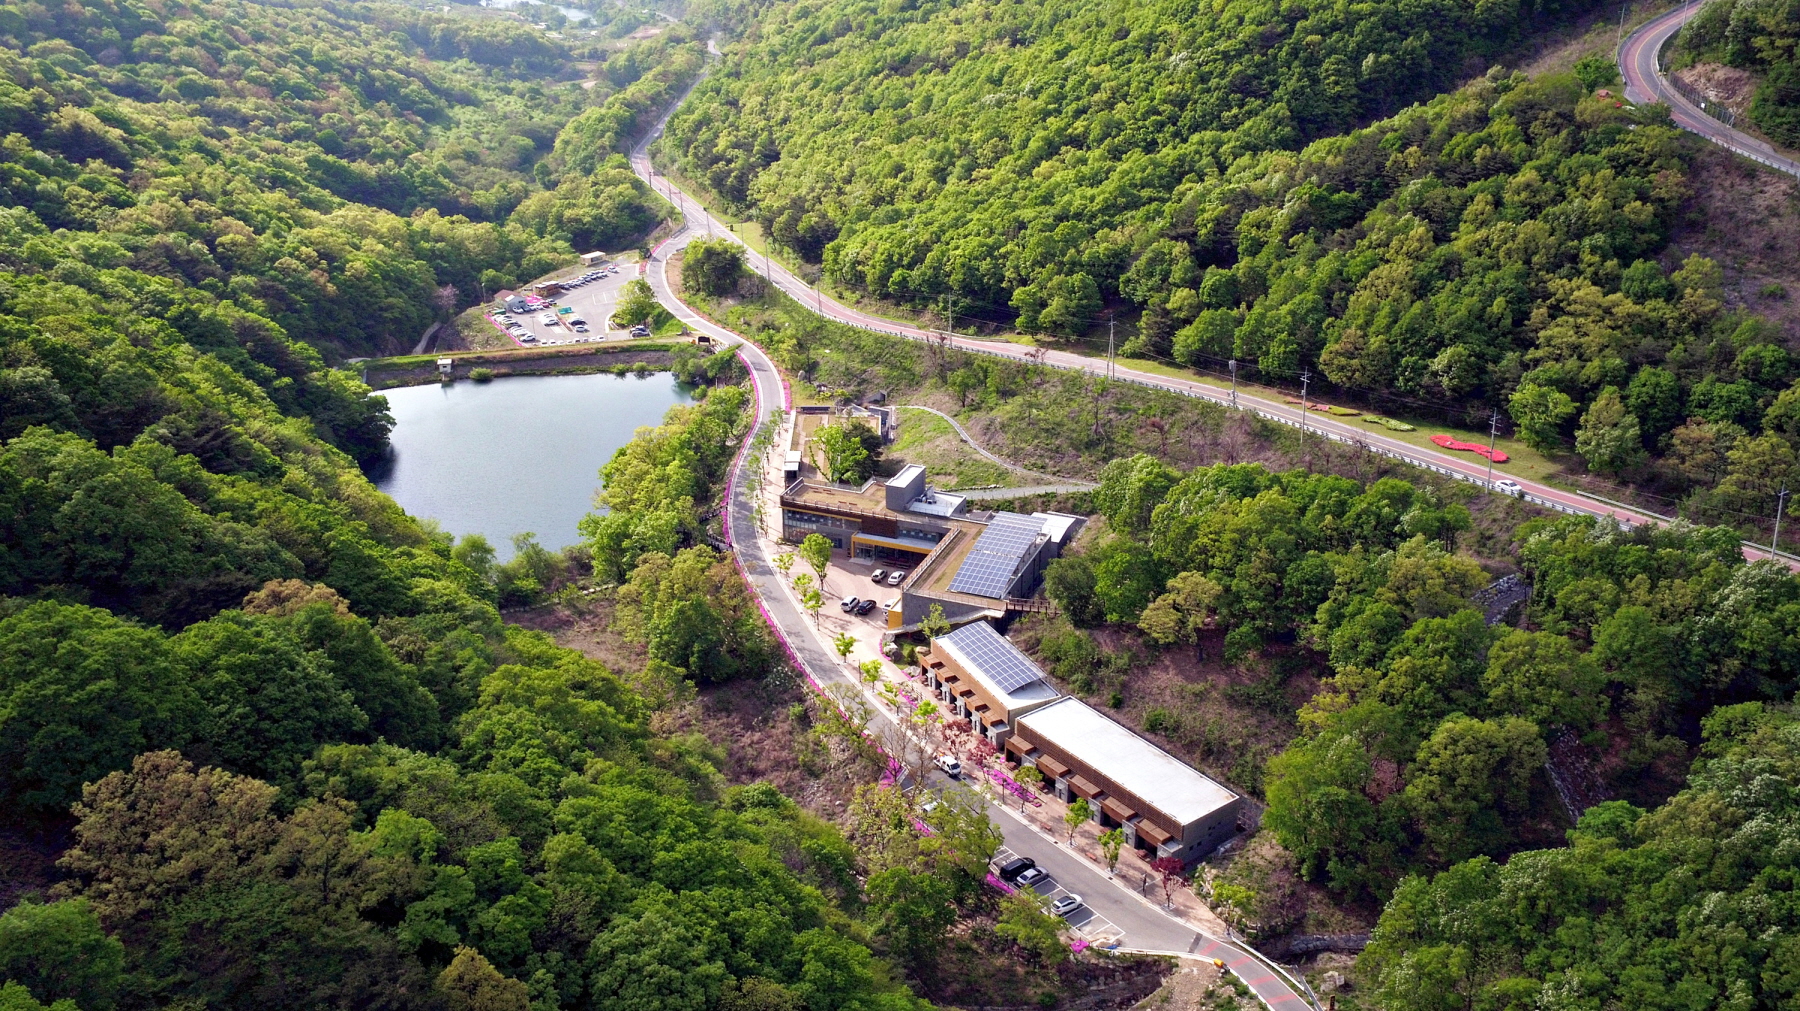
point(446, 366)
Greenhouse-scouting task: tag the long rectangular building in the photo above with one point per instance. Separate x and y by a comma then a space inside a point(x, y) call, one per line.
point(984, 679)
point(1166, 807)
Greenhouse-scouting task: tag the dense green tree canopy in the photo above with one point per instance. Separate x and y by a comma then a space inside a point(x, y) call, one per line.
point(310, 174)
point(1501, 245)
point(1759, 37)
point(1643, 910)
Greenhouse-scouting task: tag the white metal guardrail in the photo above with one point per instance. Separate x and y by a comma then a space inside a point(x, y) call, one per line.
point(1707, 108)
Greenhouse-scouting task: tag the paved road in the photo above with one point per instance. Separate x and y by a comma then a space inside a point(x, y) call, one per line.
point(1140, 924)
point(1644, 82)
point(1464, 467)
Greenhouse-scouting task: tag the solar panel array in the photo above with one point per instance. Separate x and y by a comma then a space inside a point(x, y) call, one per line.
point(997, 556)
point(997, 659)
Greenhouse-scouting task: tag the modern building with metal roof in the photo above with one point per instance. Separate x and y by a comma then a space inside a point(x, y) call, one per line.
point(971, 564)
point(1003, 556)
point(984, 679)
point(1166, 807)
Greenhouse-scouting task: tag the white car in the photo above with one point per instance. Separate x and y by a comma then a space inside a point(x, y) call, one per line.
point(1065, 905)
point(950, 765)
point(548, 319)
point(1507, 486)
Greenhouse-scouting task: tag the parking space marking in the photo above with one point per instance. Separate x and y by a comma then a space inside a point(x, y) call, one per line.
point(593, 301)
point(1083, 921)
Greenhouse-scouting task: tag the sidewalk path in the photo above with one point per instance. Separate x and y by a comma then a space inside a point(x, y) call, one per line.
point(962, 433)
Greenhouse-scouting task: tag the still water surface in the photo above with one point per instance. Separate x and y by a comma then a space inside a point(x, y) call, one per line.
point(518, 454)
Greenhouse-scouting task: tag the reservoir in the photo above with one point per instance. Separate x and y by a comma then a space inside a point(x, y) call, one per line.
point(518, 454)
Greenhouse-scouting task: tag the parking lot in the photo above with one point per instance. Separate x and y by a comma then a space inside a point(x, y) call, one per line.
point(593, 301)
point(849, 577)
point(1083, 920)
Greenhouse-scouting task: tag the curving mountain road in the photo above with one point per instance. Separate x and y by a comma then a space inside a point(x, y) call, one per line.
point(1465, 468)
point(1644, 82)
point(1145, 926)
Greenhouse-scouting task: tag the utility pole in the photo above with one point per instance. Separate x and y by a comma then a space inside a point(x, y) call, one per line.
point(1305, 380)
point(1233, 365)
point(1109, 346)
point(1780, 500)
point(1493, 435)
point(1622, 9)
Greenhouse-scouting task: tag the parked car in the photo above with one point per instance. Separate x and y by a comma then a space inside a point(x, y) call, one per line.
point(548, 319)
point(950, 765)
point(1030, 878)
point(640, 331)
point(865, 607)
point(1507, 486)
point(581, 328)
point(878, 575)
point(896, 577)
point(1065, 905)
point(1011, 870)
point(892, 605)
point(848, 604)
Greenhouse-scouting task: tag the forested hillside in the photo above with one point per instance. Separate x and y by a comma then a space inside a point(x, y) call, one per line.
point(1052, 168)
point(348, 172)
point(287, 752)
point(1759, 37)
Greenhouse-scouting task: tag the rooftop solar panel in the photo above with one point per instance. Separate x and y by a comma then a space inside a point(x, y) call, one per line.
point(993, 656)
point(998, 554)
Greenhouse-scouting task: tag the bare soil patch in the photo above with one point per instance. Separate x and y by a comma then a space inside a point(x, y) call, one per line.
point(773, 731)
point(1225, 719)
point(1729, 86)
point(979, 969)
point(1747, 219)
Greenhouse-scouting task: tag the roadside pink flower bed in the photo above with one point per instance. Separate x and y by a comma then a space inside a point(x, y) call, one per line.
point(1498, 456)
point(1012, 786)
